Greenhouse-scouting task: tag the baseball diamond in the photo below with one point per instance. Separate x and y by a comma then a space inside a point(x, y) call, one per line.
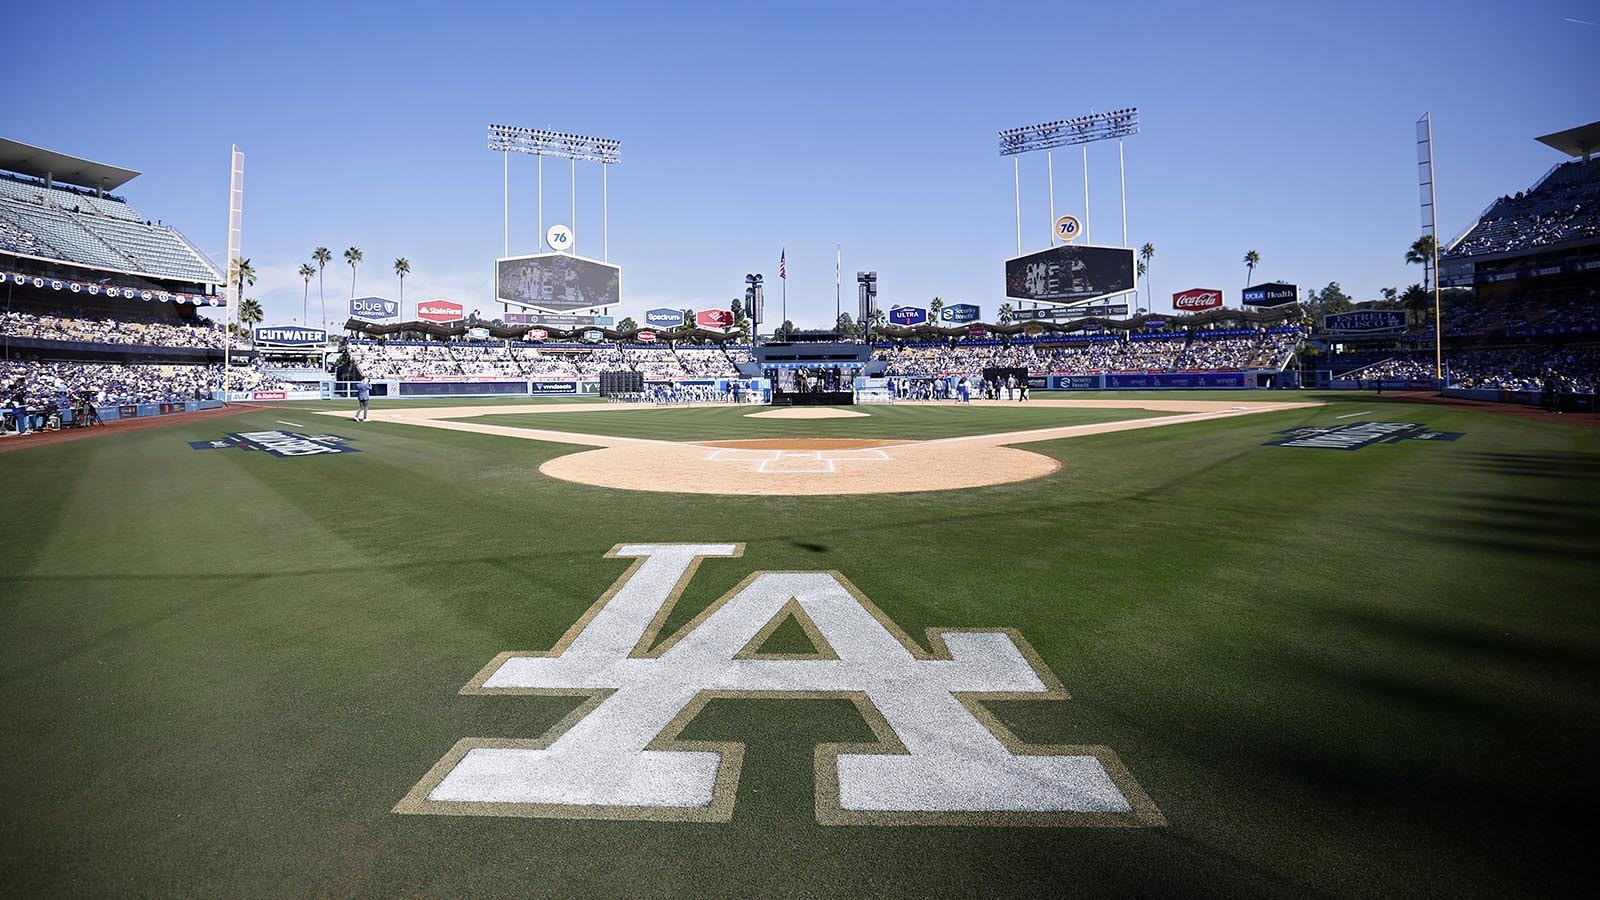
point(1234, 535)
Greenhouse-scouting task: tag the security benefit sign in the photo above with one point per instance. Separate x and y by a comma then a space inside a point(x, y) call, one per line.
point(959, 313)
point(1357, 435)
point(279, 443)
point(939, 756)
point(1070, 273)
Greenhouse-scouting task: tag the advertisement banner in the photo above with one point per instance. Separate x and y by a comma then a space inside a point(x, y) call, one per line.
point(1069, 273)
point(290, 335)
point(557, 281)
point(1179, 380)
point(907, 316)
point(645, 337)
point(1057, 313)
point(440, 311)
point(374, 309)
point(1365, 320)
point(714, 318)
point(1197, 299)
point(1273, 294)
point(552, 387)
point(662, 317)
point(958, 314)
point(536, 334)
point(477, 334)
point(269, 395)
point(557, 320)
point(1075, 382)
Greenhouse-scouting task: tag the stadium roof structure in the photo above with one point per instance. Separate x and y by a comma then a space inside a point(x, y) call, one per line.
point(1578, 142)
point(27, 159)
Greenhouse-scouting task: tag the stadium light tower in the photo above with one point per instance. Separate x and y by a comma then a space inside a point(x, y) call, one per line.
point(753, 304)
point(1084, 130)
point(509, 139)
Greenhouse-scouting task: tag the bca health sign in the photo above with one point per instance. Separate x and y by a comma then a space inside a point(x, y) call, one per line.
point(663, 318)
point(908, 315)
point(1070, 273)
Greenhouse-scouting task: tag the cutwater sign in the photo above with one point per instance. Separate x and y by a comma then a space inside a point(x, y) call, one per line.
point(290, 334)
point(374, 308)
point(664, 318)
point(1359, 434)
point(1365, 320)
point(279, 443)
point(908, 315)
point(959, 313)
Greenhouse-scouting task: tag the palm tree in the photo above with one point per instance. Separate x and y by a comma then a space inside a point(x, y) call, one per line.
point(628, 324)
point(322, 256)
point(240, 272)
point(1147, 253)
point(933, 309)
point(353, 256)
point(250, 311)
point(1416, 300)
point(1006, 312)
point(402, 267)
point(305, 295)
point(1422, 252)
point(1251, 260)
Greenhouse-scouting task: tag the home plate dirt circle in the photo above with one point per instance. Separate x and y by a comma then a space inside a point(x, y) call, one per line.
point(808, 466)
point(799, 467)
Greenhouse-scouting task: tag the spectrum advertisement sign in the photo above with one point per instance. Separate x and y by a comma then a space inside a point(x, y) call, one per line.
point(663, 318)
point(440, 311)
point(1197, 299)
point(958, 314)
point(374, 308)
point(908, 316)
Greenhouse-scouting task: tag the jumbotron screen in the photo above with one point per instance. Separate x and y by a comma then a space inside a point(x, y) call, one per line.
point(1070, 273)
point(558, 281)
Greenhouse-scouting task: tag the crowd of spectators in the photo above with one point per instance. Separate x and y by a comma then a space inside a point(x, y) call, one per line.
point(514, 361)
point(1565, 311)
point(1563, 207)
point(1500, 368)
point(203, 335)
point(114, 383)
point(1148, 352)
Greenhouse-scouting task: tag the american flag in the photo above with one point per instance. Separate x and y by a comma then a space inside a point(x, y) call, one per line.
point(783, 265)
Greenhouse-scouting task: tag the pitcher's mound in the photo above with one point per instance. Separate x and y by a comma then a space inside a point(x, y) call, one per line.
point(807, 412)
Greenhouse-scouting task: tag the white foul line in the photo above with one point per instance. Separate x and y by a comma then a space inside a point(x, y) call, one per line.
point(1352, 415)
point(291, 424)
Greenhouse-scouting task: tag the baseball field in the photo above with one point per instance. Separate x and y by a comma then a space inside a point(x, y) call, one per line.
point(1123, 645)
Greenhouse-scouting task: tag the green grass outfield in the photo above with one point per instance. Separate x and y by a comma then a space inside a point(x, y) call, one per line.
point(734, 422)
point(1350, 674)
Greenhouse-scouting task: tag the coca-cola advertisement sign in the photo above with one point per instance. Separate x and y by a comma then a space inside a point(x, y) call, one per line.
point(440, 311)
point(1197, 299)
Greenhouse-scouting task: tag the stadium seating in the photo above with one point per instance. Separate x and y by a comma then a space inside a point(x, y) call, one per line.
point(1177, 351)
point(117, 384)
point(60, 222)
point(1564, 206)
point(64, 327)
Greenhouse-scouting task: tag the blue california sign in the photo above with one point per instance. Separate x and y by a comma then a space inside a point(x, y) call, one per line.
point(374, 308)
point(908, 315)
point(959, 313)
point(290, 334)
point(663, 318)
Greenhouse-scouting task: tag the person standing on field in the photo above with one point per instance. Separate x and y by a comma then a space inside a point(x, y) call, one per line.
point(363, 394)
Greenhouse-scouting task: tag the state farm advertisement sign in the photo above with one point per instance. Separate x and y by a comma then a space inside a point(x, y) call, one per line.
point(1197, 299)
point(440, 311)
point(714, 318)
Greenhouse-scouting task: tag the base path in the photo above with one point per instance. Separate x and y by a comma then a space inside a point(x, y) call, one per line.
point(812, 466)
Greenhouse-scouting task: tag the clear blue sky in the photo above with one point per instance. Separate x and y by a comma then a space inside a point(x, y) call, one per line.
point(1280, 127)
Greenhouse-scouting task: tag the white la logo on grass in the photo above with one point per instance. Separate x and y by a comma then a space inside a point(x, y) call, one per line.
point(940, 757)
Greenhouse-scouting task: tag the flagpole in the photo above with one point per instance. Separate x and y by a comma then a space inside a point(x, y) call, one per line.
point(783, 276)
point(838, 260)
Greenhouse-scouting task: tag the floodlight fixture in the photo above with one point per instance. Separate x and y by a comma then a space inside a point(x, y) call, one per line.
point(560, 144)
point(1070, 132)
